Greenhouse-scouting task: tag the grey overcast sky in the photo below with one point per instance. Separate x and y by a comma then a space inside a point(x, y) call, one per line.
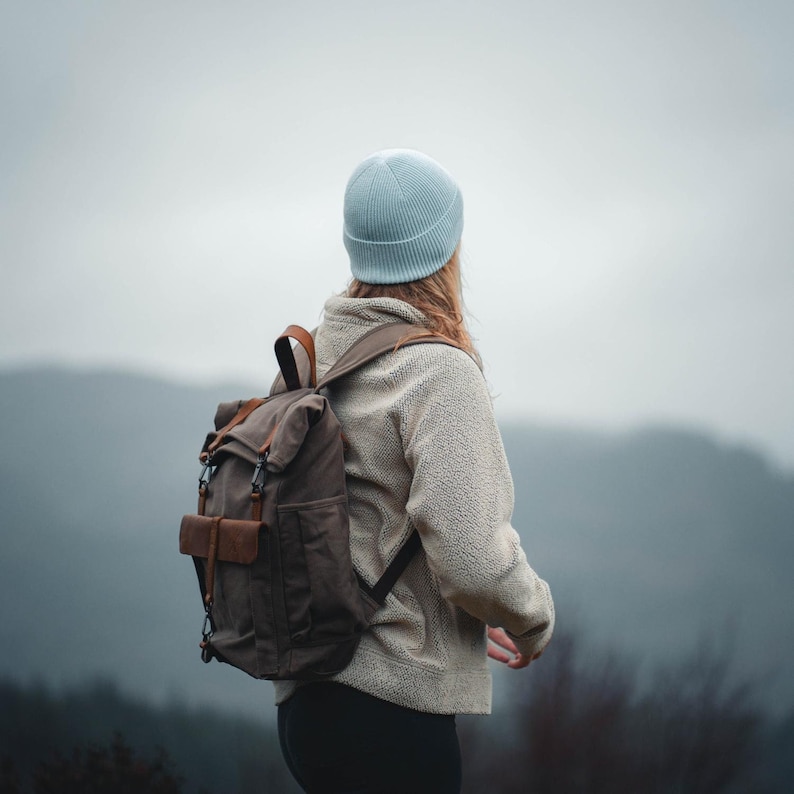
point(171, 179)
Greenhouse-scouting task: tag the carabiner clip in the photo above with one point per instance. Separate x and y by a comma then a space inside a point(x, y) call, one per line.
point(258, 480)
point(204, 478)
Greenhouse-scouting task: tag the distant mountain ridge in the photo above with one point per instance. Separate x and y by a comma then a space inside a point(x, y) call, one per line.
point(649, 539)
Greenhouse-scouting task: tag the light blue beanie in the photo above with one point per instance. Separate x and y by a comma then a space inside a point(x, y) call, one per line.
point(403, 217)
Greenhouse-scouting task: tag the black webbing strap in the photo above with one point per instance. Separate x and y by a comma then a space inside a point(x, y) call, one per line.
point(383, 586)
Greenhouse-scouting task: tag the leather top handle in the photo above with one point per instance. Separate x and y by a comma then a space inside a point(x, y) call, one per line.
point(286, 357)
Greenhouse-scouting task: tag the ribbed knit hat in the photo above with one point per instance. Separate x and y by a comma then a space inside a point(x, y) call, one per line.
point(403, 217)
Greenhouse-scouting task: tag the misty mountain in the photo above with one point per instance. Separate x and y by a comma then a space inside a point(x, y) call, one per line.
point(653, 540)
point(662, 540)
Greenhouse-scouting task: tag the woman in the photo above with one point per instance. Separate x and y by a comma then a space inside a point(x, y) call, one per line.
point(424, 453)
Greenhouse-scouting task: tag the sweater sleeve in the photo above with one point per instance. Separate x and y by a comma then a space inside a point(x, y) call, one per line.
point(461, 498)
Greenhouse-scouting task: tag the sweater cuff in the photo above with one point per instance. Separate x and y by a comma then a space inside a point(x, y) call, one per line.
point(535, 640)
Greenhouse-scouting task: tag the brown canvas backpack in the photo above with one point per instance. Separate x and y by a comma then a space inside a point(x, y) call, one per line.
point(270, 541)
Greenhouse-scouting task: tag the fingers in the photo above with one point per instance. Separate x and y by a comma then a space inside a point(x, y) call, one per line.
point(502, 649)
point(499, 655)
point(499, 636)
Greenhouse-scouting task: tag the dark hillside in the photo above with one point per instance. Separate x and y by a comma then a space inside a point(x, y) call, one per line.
point(650, 540)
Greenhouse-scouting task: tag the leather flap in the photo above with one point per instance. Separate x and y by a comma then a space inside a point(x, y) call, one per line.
point(238, 541)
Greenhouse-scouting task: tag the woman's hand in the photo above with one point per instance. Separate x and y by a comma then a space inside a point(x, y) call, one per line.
point(503, 649)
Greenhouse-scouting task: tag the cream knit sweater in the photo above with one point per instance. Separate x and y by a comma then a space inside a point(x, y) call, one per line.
point(425, 452)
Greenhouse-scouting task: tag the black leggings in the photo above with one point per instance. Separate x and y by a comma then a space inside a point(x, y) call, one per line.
point(337, 739)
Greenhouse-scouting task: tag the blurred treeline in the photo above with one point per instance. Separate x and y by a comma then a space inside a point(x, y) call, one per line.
point(201, 750)
point(579, 720)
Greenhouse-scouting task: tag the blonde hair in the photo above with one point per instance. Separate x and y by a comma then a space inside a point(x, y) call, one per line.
point(439, 298)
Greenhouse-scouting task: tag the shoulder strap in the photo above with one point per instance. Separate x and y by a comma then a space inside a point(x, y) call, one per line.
point(373, 344)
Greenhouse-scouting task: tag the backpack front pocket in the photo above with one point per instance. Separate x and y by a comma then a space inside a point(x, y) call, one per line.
point(320, 588)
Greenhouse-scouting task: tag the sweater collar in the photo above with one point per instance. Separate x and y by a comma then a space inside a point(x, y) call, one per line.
point(369, 312)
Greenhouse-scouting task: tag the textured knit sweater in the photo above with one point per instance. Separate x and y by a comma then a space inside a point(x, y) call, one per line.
point(425, 453)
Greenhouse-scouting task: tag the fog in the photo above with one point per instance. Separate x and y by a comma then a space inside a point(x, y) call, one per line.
point(172, 179)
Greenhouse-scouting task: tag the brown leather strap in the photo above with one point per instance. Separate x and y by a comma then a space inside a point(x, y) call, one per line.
point(212, 556)
point(286, 356)
point(239, 417)
point(202, 503)
point(256, 506)
point(268, 441)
